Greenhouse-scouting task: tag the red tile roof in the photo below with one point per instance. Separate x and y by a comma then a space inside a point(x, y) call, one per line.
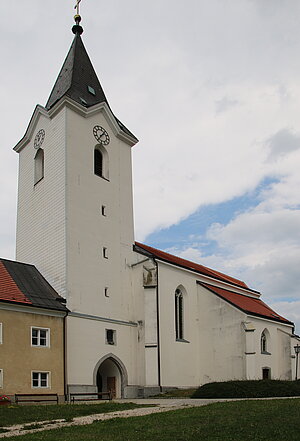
point(190, 265)
point(8, 288)
point(247, 304)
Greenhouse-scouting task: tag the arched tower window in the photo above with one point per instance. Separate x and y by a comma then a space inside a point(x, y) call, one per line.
point(179, 314)
point(98, 162)
point(265, 342)
point(38, 166)
point(101, 162)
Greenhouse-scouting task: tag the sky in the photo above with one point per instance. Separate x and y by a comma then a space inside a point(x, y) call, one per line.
point(212, 91)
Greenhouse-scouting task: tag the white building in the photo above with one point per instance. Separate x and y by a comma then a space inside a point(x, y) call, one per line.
point(140, 320)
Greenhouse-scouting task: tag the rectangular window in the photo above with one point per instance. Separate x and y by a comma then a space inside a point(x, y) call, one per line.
point(110, 337)
point(103, 210)
point(1, 378)
point(40, 337)
point(106, 292)
point(40, 379)
point(1, 339)
point(105, 254)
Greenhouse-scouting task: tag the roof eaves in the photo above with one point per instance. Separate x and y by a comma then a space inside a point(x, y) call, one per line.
point(255, 314)
point(30, 305)
point(212, 274)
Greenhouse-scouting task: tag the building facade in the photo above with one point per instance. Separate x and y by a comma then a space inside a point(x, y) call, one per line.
point(32, 358)
point(139, 320)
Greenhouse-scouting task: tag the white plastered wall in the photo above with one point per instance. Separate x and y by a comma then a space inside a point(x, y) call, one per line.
point(88, 232)
point(62, 231)
point(218, 346)
point(277, 358)
point(41, 228)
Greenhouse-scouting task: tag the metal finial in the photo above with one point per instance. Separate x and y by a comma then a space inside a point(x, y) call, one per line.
point(77, 6)
point(77, 19)
point(77, 29)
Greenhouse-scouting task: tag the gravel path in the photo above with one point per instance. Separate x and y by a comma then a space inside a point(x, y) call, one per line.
point(165, 406)
point(162, 405)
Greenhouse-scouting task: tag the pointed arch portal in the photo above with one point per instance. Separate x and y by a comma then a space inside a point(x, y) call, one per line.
point(111, 374)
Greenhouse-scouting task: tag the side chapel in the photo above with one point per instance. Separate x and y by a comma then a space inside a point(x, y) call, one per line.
point(137, 320)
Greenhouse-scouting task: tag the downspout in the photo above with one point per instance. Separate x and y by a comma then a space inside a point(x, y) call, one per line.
point(158, 330)
point(65, 357)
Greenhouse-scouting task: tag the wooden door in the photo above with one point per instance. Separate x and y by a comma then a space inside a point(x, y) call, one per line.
point(111, 386)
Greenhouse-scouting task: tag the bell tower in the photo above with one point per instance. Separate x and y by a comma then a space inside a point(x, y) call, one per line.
point(75, 216)
point(75, 209)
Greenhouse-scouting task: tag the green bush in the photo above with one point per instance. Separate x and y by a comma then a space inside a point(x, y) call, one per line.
point(249, 389)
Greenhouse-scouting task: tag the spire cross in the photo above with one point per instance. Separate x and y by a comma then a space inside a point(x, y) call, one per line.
point(77, 6)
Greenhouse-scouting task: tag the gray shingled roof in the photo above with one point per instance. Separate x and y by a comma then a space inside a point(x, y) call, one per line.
point(24, 284)
point(78, 80)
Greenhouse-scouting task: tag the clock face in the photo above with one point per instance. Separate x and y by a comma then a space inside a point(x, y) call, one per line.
point(101, 135)
point(39, 139)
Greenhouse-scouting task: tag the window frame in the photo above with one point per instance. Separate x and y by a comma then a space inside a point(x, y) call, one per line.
point(39, 328)
point(267, 370)
point(1, 333)
point(265, 342)
point(111, 341)
point(179, 315)
point(39, 379)
point(39, 166)
point(98, 162)
point(1, 379)
point(101, 162)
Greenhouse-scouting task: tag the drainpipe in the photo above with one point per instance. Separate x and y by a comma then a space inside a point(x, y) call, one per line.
point(158, 330)
point(65, 357)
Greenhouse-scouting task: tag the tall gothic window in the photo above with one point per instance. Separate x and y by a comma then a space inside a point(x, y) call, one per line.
point(179, 314)
point(38, 166)
point(264, 342)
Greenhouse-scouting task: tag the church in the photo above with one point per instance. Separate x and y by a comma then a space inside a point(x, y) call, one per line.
point(98, 311)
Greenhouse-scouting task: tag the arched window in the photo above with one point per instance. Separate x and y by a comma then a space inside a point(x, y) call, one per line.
point(265, 342)
point(101, 162)
point(179, 314)
point(38, 166)
point(98, 163)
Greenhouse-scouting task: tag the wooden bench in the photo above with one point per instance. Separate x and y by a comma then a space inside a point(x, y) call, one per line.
point(36, 398)
point(90, 396)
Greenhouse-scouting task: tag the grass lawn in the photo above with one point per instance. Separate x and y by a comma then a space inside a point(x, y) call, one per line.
point(10, 415)
point(266, 420)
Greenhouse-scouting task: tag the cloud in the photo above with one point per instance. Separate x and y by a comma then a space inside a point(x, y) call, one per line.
point(212, 91)
point(225, 104)
point(256, 230)
point(283, 142)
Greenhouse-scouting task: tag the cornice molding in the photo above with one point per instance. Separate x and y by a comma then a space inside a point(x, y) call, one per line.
point(66, 102)
point(31, 310)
